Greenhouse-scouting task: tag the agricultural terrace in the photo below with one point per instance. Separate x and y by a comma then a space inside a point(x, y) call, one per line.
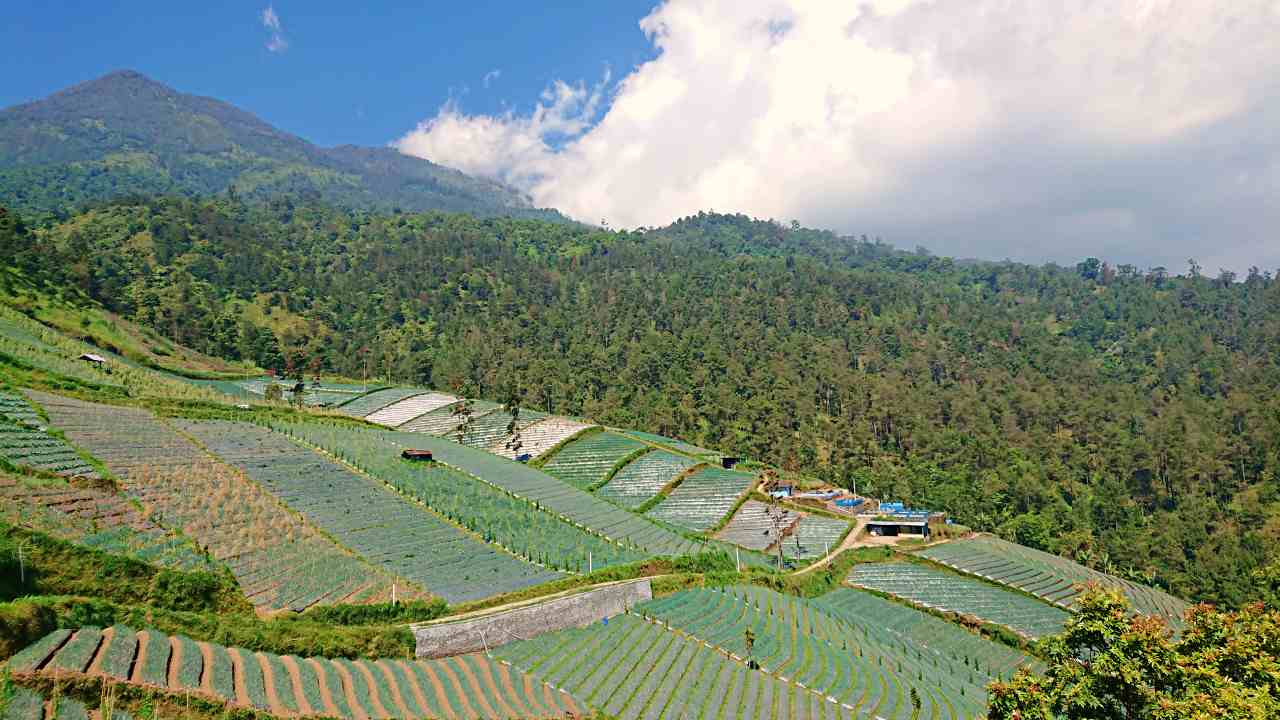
point(955, 648)
point(466, 686)
point(814, 536)
point(589, 460)
point(368, 404)
point(860, 665)
point(575, 505)
point(28, 704)
point(398, 413)
point(751, 527)
point(1047, 576)
point(490, 429)
point(508, 520)
point(28, 341)
point(94, 518)
point(15, 408)
point(314, 395)
point(28, 447)
point(542, 436)
point(630, 668)
point(279, 560)
point(641, 479)
point(672, 444)
point(703, 498)
point(944, 590)
point(363, 514)
point(444, 421)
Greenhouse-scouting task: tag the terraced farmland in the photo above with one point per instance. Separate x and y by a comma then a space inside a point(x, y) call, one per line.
point(860, 663)
point(587, 461)
point(327, 394)
point(894, 624)
point(565, 500)
point(398, 413)
point(28, 447)
point(642, 478)
point(362, 514)
point(490, 429)
point(376, 400)
point(813, 536)
point(15, 408)
point(1051, 577)
point(279, 560)
point(511, 521)
point(942, 590)
point(466, 687)
point(542, 436)
point(751, 527)
point(678, 445)
point(632, 668)
point(444, 422)
point(703, 498)
point(94, 518)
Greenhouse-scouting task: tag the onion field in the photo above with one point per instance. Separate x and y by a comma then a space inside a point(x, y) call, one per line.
point(367, 404)
point(642, 478)
point(509, 520)
point(573, 504)
point(362, 514)
point(859, 662)
point(542, 436)
point(463, 687)
point(25, 446)
point(946, 591)
point(631, 668)
point(16, 409)
point(587, 461)
point(678, 445)
point(279, 560)
point(703, 498)
point(398, 413)
point(1046, 576)
point(490, 429)
point(751, 527)
point(443, 422)
point(813, 536)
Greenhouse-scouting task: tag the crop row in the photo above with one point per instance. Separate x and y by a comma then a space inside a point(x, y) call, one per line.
point(402, 411)
point(490, 429)
point(364, 515)
point(513, 522)
point(752, 527)
point(642, 478)
point(631, 668)
point(29, 447)
point(814, 536)
point(15, 408)
point(1047, 576)
point(445, 421)
point(585, 462)
point(866, 670)
point(948, 591)
point(466, 686)
point(274, 555)
point(573, 504)
point(678, 445)
point(703, 498)
point(376, 400)
point(540, 437)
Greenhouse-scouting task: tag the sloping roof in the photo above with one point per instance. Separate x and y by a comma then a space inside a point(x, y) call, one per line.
point(92, 358)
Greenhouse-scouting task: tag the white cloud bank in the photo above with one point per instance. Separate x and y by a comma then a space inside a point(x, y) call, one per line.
point(1138, 130)
point(276, 43)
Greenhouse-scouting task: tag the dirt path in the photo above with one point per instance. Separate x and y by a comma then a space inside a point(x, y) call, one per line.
point(393, 687)
point(269, 684)
point(441, 695)
point(852, 540)
point(349, 684)
point(206, 673)
point(175, 664)
point(95, 665)
point(326, 692)
point(295, 677)
point(534, 702)
point(504, 710)
point(237, 679)
point(451, 678)
point(140, 658)
point(499, 671)
point(412, 681)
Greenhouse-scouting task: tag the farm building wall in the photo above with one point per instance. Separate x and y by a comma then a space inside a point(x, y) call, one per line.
point(442, 639)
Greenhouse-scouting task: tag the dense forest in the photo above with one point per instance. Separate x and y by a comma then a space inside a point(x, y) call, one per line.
point(1125, 417)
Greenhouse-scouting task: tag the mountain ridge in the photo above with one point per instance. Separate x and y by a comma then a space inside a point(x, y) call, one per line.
point(124, 133)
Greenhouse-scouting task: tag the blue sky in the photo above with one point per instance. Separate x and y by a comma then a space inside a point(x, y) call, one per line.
point(349, 74)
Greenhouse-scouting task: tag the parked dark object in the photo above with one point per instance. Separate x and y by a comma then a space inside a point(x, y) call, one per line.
point(728, 462)
point(417, 455)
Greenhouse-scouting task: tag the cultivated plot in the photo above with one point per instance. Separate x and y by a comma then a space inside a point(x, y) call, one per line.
point(398, 413)
point(587, 461)
point(703, 498)
point(362, 514)
point(947, 591)
point(541, 437)
point(466, 686)
point(1047, 576)
point(641, 479)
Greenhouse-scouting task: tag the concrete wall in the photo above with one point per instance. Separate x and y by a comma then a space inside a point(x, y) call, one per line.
point(442, 639)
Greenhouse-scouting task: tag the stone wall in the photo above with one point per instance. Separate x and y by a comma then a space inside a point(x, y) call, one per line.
point(445, 638)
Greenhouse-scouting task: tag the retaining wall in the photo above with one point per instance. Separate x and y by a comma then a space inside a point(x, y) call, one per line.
point(445, 638)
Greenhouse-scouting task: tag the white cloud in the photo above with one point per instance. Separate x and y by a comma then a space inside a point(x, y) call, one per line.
point(1135, 129)
point(276, 43)
point(490, 76)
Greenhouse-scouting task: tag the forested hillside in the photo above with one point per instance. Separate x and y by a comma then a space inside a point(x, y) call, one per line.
point(1123, 417)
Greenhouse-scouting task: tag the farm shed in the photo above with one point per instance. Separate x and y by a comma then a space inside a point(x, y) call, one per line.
point(893, 527)
point(93, 358)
